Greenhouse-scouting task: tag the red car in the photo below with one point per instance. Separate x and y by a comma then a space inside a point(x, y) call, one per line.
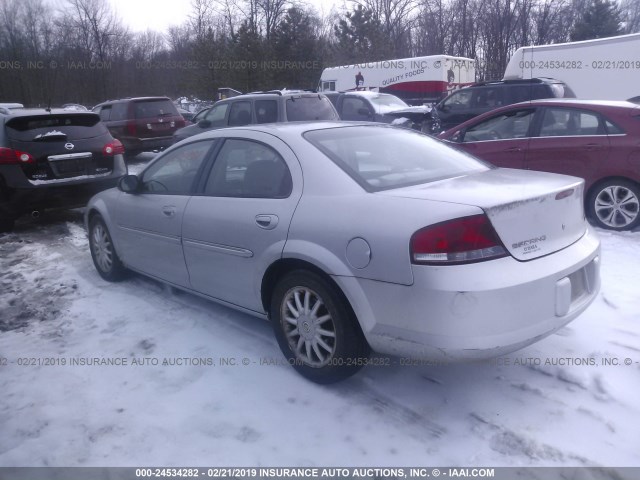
point(596, 140)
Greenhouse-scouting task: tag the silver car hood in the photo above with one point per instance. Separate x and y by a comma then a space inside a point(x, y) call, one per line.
point(534, 213)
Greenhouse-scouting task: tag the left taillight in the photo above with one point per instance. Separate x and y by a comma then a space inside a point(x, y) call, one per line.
point(8, 156)
point(113, 148)
point(463, 240)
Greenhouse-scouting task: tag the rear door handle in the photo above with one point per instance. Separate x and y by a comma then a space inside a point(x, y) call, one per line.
point(168, 211)
point(268, 222)
point(593, 146)
point(514, 150)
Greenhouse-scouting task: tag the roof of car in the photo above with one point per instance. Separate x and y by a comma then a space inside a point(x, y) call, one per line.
point(296, 128)
point(27, 112)
point(134, 99)
point(577, 102)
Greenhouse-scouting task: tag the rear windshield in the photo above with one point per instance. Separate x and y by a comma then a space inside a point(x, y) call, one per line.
point(54, 126)
point(154, 108)
point(380, 158)
point(310, 108)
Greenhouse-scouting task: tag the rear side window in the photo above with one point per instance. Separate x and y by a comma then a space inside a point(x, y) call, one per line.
point(240, 114)
point(54, 126)
point(567, 122)
point(310, 108)
point(612, 128)
point(266, 111)
point(119, 111)
point(248, 169)
point(154, 108)
point(380, 158)
point(105, 113)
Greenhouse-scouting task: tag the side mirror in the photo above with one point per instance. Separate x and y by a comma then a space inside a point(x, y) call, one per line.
point(204, 123)
point(458, 136)
point(129, 184)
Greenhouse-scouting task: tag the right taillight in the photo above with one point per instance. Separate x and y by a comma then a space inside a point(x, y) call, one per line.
point(463, 240)
point(131, 127)
point(9, 156)
point(113, 148)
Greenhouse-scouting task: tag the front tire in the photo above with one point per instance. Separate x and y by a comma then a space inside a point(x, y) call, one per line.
point(614, 205)
point(316, 329)
point(103, 252)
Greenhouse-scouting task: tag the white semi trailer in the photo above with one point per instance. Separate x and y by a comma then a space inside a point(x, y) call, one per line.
point(415, 80)
point(603, 69)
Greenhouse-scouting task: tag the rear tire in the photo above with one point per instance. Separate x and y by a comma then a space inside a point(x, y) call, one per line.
point(615, 205)
point(316, 328)
point(103, 252)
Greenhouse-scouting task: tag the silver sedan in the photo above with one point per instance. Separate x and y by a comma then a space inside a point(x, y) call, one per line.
point(356, 237)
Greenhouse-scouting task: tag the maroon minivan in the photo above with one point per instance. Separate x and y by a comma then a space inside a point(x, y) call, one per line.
point(141, 124)
point(596, 140)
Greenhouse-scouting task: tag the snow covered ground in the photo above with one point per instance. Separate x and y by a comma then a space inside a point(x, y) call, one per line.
point(54, 309)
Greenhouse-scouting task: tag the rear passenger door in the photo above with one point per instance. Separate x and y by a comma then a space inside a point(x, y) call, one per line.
point(569, 140)
point(238, 223)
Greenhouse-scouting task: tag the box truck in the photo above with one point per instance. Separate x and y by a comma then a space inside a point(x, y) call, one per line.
point(600, 69)
point(416, 80)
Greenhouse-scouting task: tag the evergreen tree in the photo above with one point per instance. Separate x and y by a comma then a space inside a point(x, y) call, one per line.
point(601, 19)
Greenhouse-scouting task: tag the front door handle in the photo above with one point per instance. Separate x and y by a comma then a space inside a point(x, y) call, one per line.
point(593, 146)
point(268, 222)
point(168, 211)
point(514, 150)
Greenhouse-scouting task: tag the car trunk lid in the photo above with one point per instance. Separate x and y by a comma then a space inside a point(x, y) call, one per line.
point(533, 213)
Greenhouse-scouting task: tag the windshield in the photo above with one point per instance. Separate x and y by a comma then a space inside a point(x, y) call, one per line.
point(388, 101)
point(380, 157)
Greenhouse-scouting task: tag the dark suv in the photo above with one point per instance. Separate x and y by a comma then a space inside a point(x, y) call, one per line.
point(476, 99)
point(54, 158)
point(263, 107)
point(144, 123)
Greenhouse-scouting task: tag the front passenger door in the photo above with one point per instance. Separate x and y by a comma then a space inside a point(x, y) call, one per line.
point(149, 223)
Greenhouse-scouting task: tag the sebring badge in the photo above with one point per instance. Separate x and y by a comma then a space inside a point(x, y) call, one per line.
point(69, 146)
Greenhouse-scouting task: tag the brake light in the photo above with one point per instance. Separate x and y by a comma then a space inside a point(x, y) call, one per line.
point(131, 127)
point(463, 240)
point(9, 156)
point(113, 148)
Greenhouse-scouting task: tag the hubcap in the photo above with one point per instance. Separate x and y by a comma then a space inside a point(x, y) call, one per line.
point(102, 248)
point(308, 326)
point(616, 206)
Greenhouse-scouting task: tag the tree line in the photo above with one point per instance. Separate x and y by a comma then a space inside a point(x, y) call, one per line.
point(82, 52)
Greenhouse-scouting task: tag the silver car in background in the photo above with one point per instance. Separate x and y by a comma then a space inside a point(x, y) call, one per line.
point(356, 237)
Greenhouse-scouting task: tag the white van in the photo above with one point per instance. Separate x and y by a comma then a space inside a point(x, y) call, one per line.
point(602, 69)
point(415, 80)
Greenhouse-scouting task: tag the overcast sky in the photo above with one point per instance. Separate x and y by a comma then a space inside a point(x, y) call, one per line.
point(158, 15)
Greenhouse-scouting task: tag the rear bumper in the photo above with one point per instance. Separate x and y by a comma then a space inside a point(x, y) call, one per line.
point(146, 144)
point(479, 310)
point(25, 196)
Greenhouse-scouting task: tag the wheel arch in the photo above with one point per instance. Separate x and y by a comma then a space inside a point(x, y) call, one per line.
point(283, 266)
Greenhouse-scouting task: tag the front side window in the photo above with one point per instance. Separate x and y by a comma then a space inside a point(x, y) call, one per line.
point(354, 108)
point(248, 169)
point(380, 158)
point(568, 122)
point(458, 100)
point(176, 172)
point(217, 114)
point(509, 125)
